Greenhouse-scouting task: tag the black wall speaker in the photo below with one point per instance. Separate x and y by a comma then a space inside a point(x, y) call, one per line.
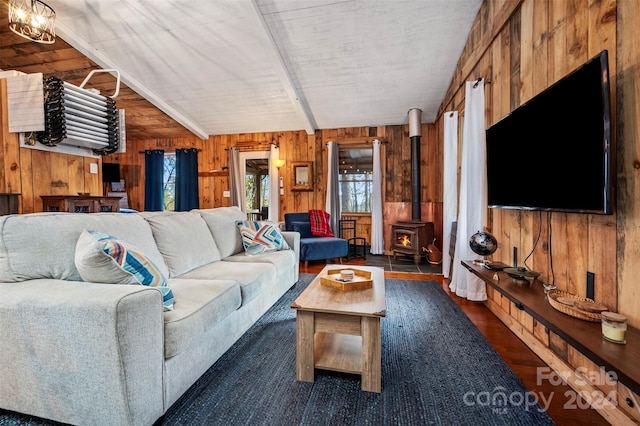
point(591, 285)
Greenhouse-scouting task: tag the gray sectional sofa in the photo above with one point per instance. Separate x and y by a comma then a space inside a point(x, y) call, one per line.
point(97, 353)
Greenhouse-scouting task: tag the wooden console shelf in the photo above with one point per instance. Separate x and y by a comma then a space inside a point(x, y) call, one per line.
point(585, 336)
point(80, 203)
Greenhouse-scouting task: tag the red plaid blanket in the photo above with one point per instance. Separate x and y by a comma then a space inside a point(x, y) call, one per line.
point(320, 226)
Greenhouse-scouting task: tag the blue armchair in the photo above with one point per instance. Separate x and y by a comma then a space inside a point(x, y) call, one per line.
point(311, 246)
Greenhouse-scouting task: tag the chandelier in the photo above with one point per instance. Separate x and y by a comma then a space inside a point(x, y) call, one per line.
point(33, 20)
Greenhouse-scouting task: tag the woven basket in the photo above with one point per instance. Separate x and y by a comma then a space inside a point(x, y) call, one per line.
point(570, 310)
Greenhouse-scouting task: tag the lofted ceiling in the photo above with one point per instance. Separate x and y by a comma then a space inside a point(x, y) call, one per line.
point(240, 66)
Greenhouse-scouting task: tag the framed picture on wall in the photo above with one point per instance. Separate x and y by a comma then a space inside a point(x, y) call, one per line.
point(302, 176)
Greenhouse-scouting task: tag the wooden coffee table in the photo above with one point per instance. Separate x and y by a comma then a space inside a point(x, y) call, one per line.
point(340, 330)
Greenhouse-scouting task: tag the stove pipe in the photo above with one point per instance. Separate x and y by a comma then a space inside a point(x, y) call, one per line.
point(415, 117)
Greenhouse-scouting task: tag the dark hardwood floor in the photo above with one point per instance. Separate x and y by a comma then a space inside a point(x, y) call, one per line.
point(562, 406)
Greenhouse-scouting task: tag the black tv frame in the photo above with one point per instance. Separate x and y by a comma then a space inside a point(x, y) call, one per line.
point(510, 163)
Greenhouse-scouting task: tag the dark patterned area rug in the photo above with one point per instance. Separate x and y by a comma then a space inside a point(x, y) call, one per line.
point(437, 369)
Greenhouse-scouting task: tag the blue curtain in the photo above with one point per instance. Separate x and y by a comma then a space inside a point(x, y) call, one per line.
point(186, 179)
point(153, 174)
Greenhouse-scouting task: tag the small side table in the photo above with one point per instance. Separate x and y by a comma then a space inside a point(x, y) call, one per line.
point(357, 248)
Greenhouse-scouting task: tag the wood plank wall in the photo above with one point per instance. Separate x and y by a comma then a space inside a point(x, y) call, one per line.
point(298, 146)
point(522, 47)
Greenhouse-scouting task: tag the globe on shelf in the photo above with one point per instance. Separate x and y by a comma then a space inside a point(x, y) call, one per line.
point(483, 243)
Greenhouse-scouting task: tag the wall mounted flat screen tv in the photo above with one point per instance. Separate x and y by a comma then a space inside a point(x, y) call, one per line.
point(553, 153)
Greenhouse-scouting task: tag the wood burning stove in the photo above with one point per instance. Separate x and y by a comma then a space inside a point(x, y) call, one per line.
point(408, 238)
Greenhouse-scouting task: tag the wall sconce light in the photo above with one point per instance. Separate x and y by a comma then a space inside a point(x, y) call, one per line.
point(278, 162)
point(33, 20)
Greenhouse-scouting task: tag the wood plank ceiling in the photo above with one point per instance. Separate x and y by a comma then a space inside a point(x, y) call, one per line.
point(241, 66)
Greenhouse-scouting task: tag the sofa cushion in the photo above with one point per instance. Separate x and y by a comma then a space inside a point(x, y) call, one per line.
point(320, 226)
point(253, 277)
point(202, 305)
point(50, 238)
point(184, 240)
point(322, 248)
point(222, 223)
point(304, 228)
point(283, 260)
point(101, 258)
point(260, 237)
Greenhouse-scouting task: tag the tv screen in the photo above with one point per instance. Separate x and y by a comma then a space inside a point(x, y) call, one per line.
point(553, 153)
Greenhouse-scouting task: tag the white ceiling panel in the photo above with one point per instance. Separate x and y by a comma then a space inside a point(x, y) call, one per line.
point(238, 66)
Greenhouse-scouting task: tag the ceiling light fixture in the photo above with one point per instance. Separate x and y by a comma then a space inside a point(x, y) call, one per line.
point(33, 20)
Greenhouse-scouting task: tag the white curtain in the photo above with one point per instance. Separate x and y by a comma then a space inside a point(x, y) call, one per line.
point(377, 234)
point(473, 200)
point(235, 177)
point(450, 212)
point(333, 199)
point(274, 185)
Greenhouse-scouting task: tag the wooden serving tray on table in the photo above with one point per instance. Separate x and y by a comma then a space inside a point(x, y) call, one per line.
point(361, 280)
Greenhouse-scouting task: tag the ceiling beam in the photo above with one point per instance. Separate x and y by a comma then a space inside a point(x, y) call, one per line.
point(281, 71)
point(96, 56)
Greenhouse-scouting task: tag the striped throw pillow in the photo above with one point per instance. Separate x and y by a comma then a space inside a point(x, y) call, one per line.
point(260, 237)
point(101, 258)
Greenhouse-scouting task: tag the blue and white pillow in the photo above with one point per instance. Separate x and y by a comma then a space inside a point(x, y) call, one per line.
point(102, 258)
point(261, 237)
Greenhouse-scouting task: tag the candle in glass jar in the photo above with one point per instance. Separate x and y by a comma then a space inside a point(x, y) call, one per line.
point(614, 327)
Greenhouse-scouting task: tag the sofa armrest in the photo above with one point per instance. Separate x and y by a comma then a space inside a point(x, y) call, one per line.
point(293, 239)
point(82, 353)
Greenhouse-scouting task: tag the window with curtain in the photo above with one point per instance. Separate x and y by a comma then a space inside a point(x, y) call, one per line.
point(355, 179)
point(171, 180)
point(154, 171)
point(187, 179)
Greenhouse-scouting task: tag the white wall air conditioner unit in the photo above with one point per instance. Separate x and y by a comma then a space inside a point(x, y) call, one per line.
point(79, 117)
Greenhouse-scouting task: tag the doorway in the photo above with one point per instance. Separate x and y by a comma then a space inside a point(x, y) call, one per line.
point(256, 188)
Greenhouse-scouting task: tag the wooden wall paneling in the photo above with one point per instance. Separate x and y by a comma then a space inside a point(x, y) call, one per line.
point(221, 160)
point(602, 259)
point(577, 33)
point(317, 152)
point(206, 183)
point(404, 147)
point(557, 39)
point(540, 64)
point(26, 201)
point(10, 182)
point(59, 175)
point(526, 51)
point(515, 59)
point(558, 250)
point(79, 179)
point(628, 154)
point(41, 178)
point(394, 160)
point(540, 255)
point(577, 241)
